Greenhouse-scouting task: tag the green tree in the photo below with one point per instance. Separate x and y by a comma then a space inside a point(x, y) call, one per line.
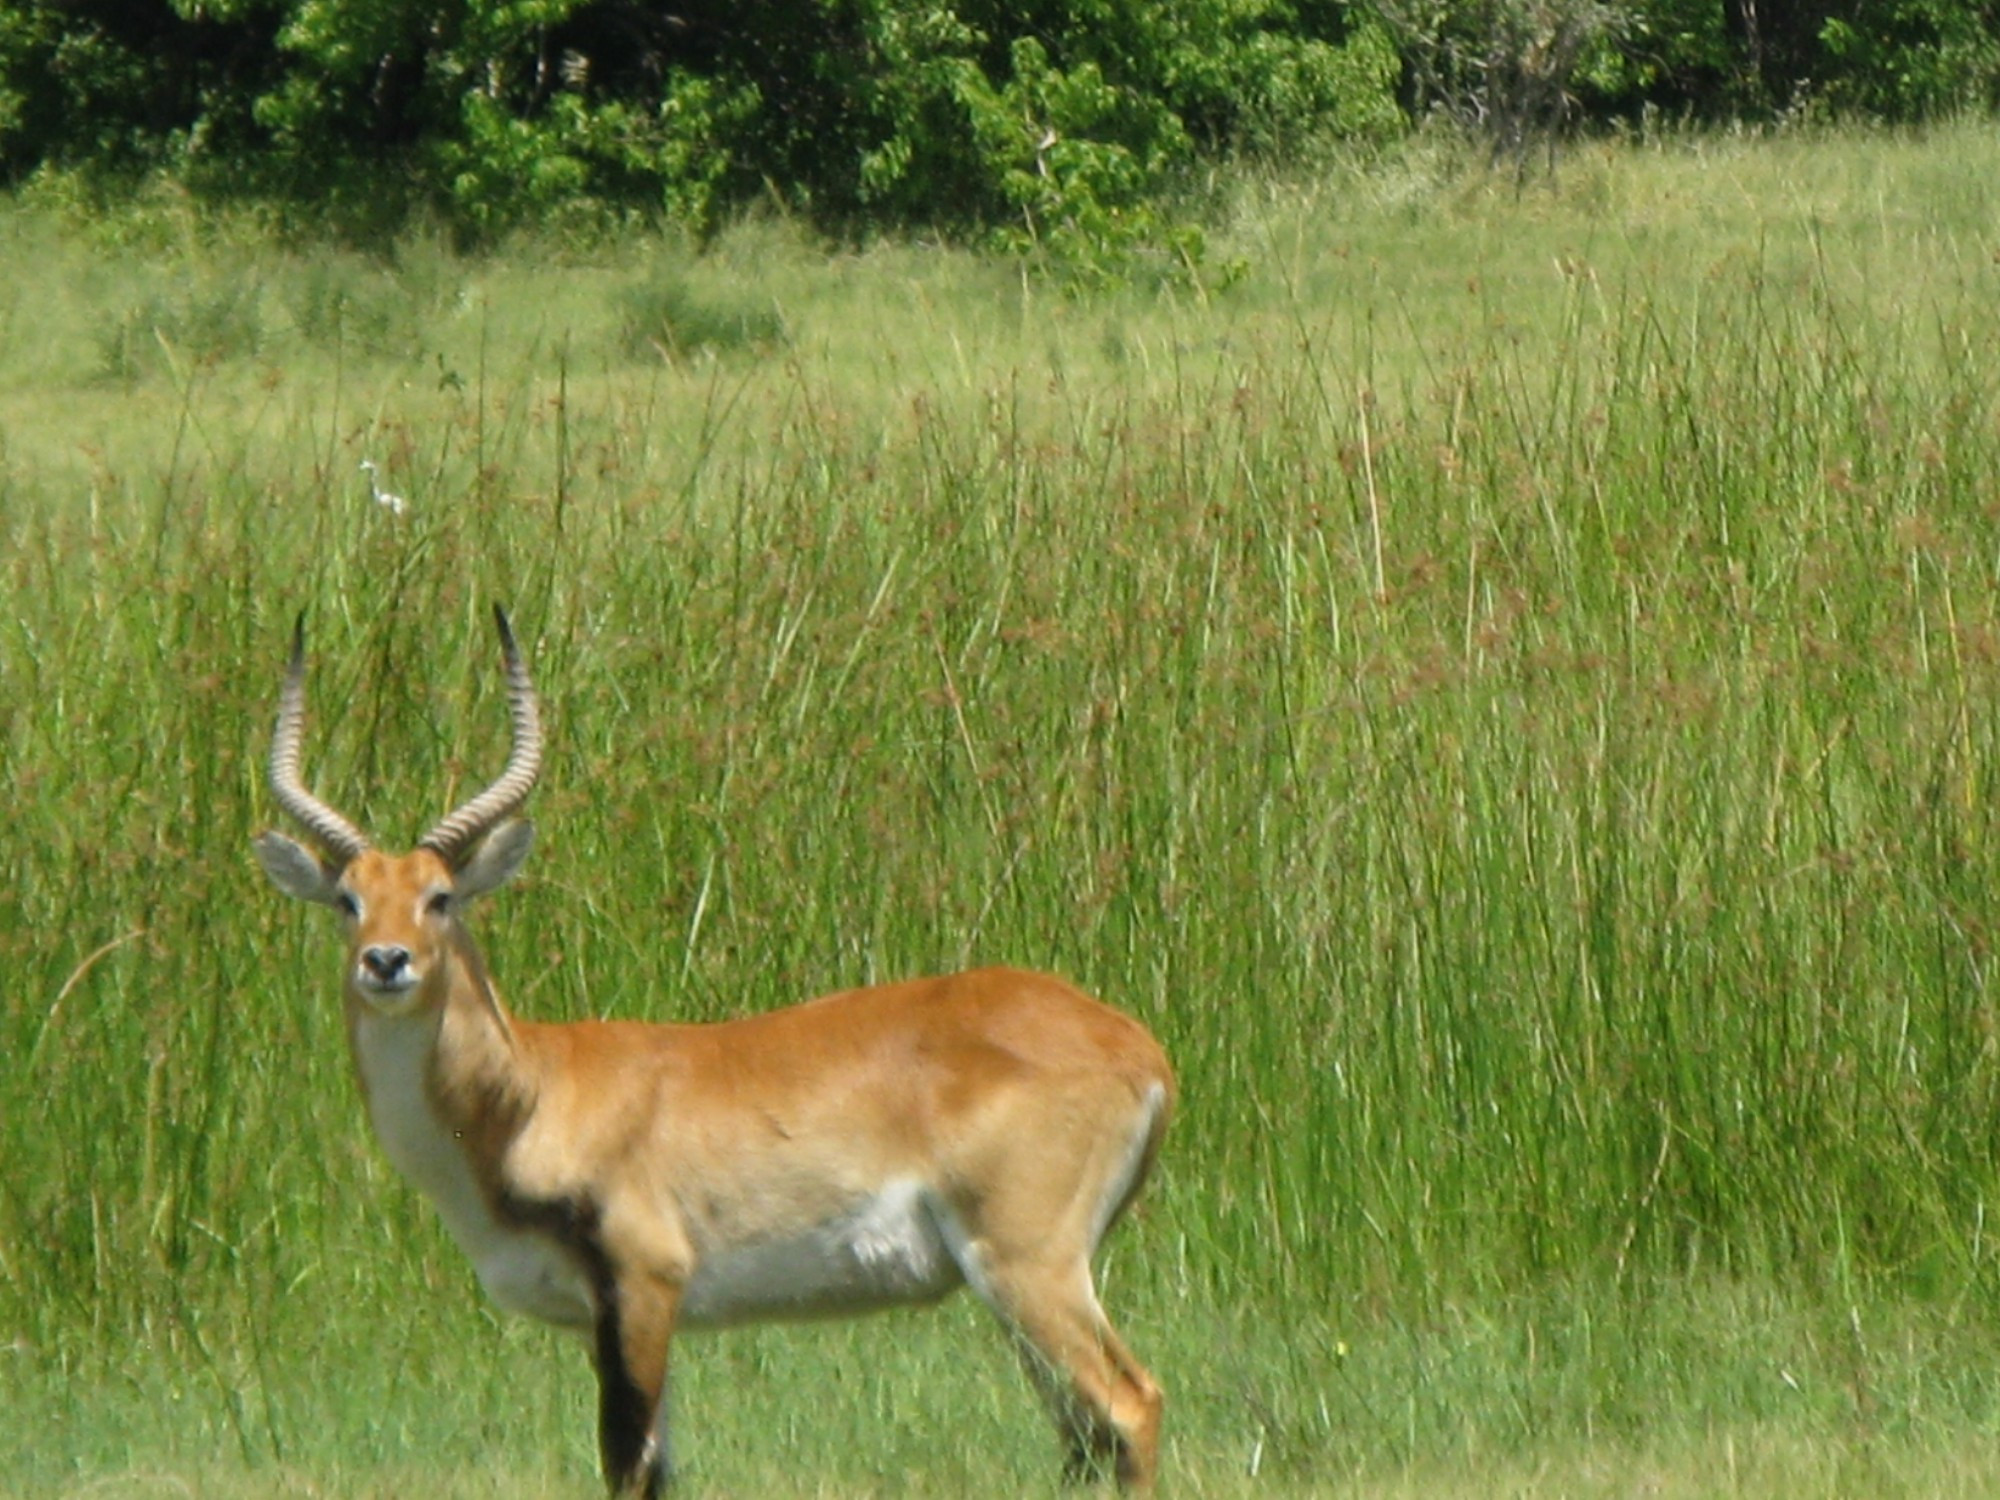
point(1060, 116)
point(1063, 127)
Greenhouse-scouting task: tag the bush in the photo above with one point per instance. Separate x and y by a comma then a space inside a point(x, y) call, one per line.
point(666, 317)
point(1911, 59)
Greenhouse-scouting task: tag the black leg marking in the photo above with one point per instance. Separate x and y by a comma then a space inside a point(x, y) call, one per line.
point(624, 1411)
point(634, 1463)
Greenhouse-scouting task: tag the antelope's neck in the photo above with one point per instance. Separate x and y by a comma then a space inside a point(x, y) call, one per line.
point(446, 1089)
point(449, 1091)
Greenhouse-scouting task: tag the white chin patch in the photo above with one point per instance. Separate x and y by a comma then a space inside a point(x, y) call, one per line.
point(388, 993)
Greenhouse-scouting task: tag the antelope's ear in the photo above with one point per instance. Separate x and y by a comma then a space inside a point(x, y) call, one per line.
point(497, 860)
point(295, 869)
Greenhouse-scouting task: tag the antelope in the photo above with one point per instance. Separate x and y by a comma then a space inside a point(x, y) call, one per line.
point(873, 1148)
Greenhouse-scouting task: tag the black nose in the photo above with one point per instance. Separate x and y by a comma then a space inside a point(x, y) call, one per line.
point(385, 961)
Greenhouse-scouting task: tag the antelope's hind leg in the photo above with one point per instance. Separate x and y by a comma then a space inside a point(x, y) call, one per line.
point(1106, 1404)
point(1026, 1250)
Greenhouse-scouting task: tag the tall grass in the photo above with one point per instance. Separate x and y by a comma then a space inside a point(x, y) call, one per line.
point(1506, 692)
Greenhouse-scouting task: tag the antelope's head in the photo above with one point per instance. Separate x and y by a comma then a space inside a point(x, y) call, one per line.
point(401, 910)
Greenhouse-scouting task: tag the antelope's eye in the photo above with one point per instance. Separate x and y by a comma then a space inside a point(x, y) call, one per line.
point(438, 903)
point(348, 902)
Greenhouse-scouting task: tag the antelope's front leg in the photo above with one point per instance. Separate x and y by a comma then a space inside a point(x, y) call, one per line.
point(635, 1322)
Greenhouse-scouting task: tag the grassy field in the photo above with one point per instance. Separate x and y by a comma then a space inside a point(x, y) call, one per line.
point(1509, 691)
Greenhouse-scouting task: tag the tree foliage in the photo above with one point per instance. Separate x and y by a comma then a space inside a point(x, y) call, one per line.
point(1061, 127)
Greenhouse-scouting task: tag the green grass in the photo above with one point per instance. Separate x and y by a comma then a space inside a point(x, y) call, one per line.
point(1507, 692)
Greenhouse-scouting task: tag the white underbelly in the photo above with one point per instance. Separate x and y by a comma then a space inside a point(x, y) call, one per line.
point(899, 1246)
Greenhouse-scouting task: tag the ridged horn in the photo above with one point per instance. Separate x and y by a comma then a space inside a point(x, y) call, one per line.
point(457, 832)
point(334, 834)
